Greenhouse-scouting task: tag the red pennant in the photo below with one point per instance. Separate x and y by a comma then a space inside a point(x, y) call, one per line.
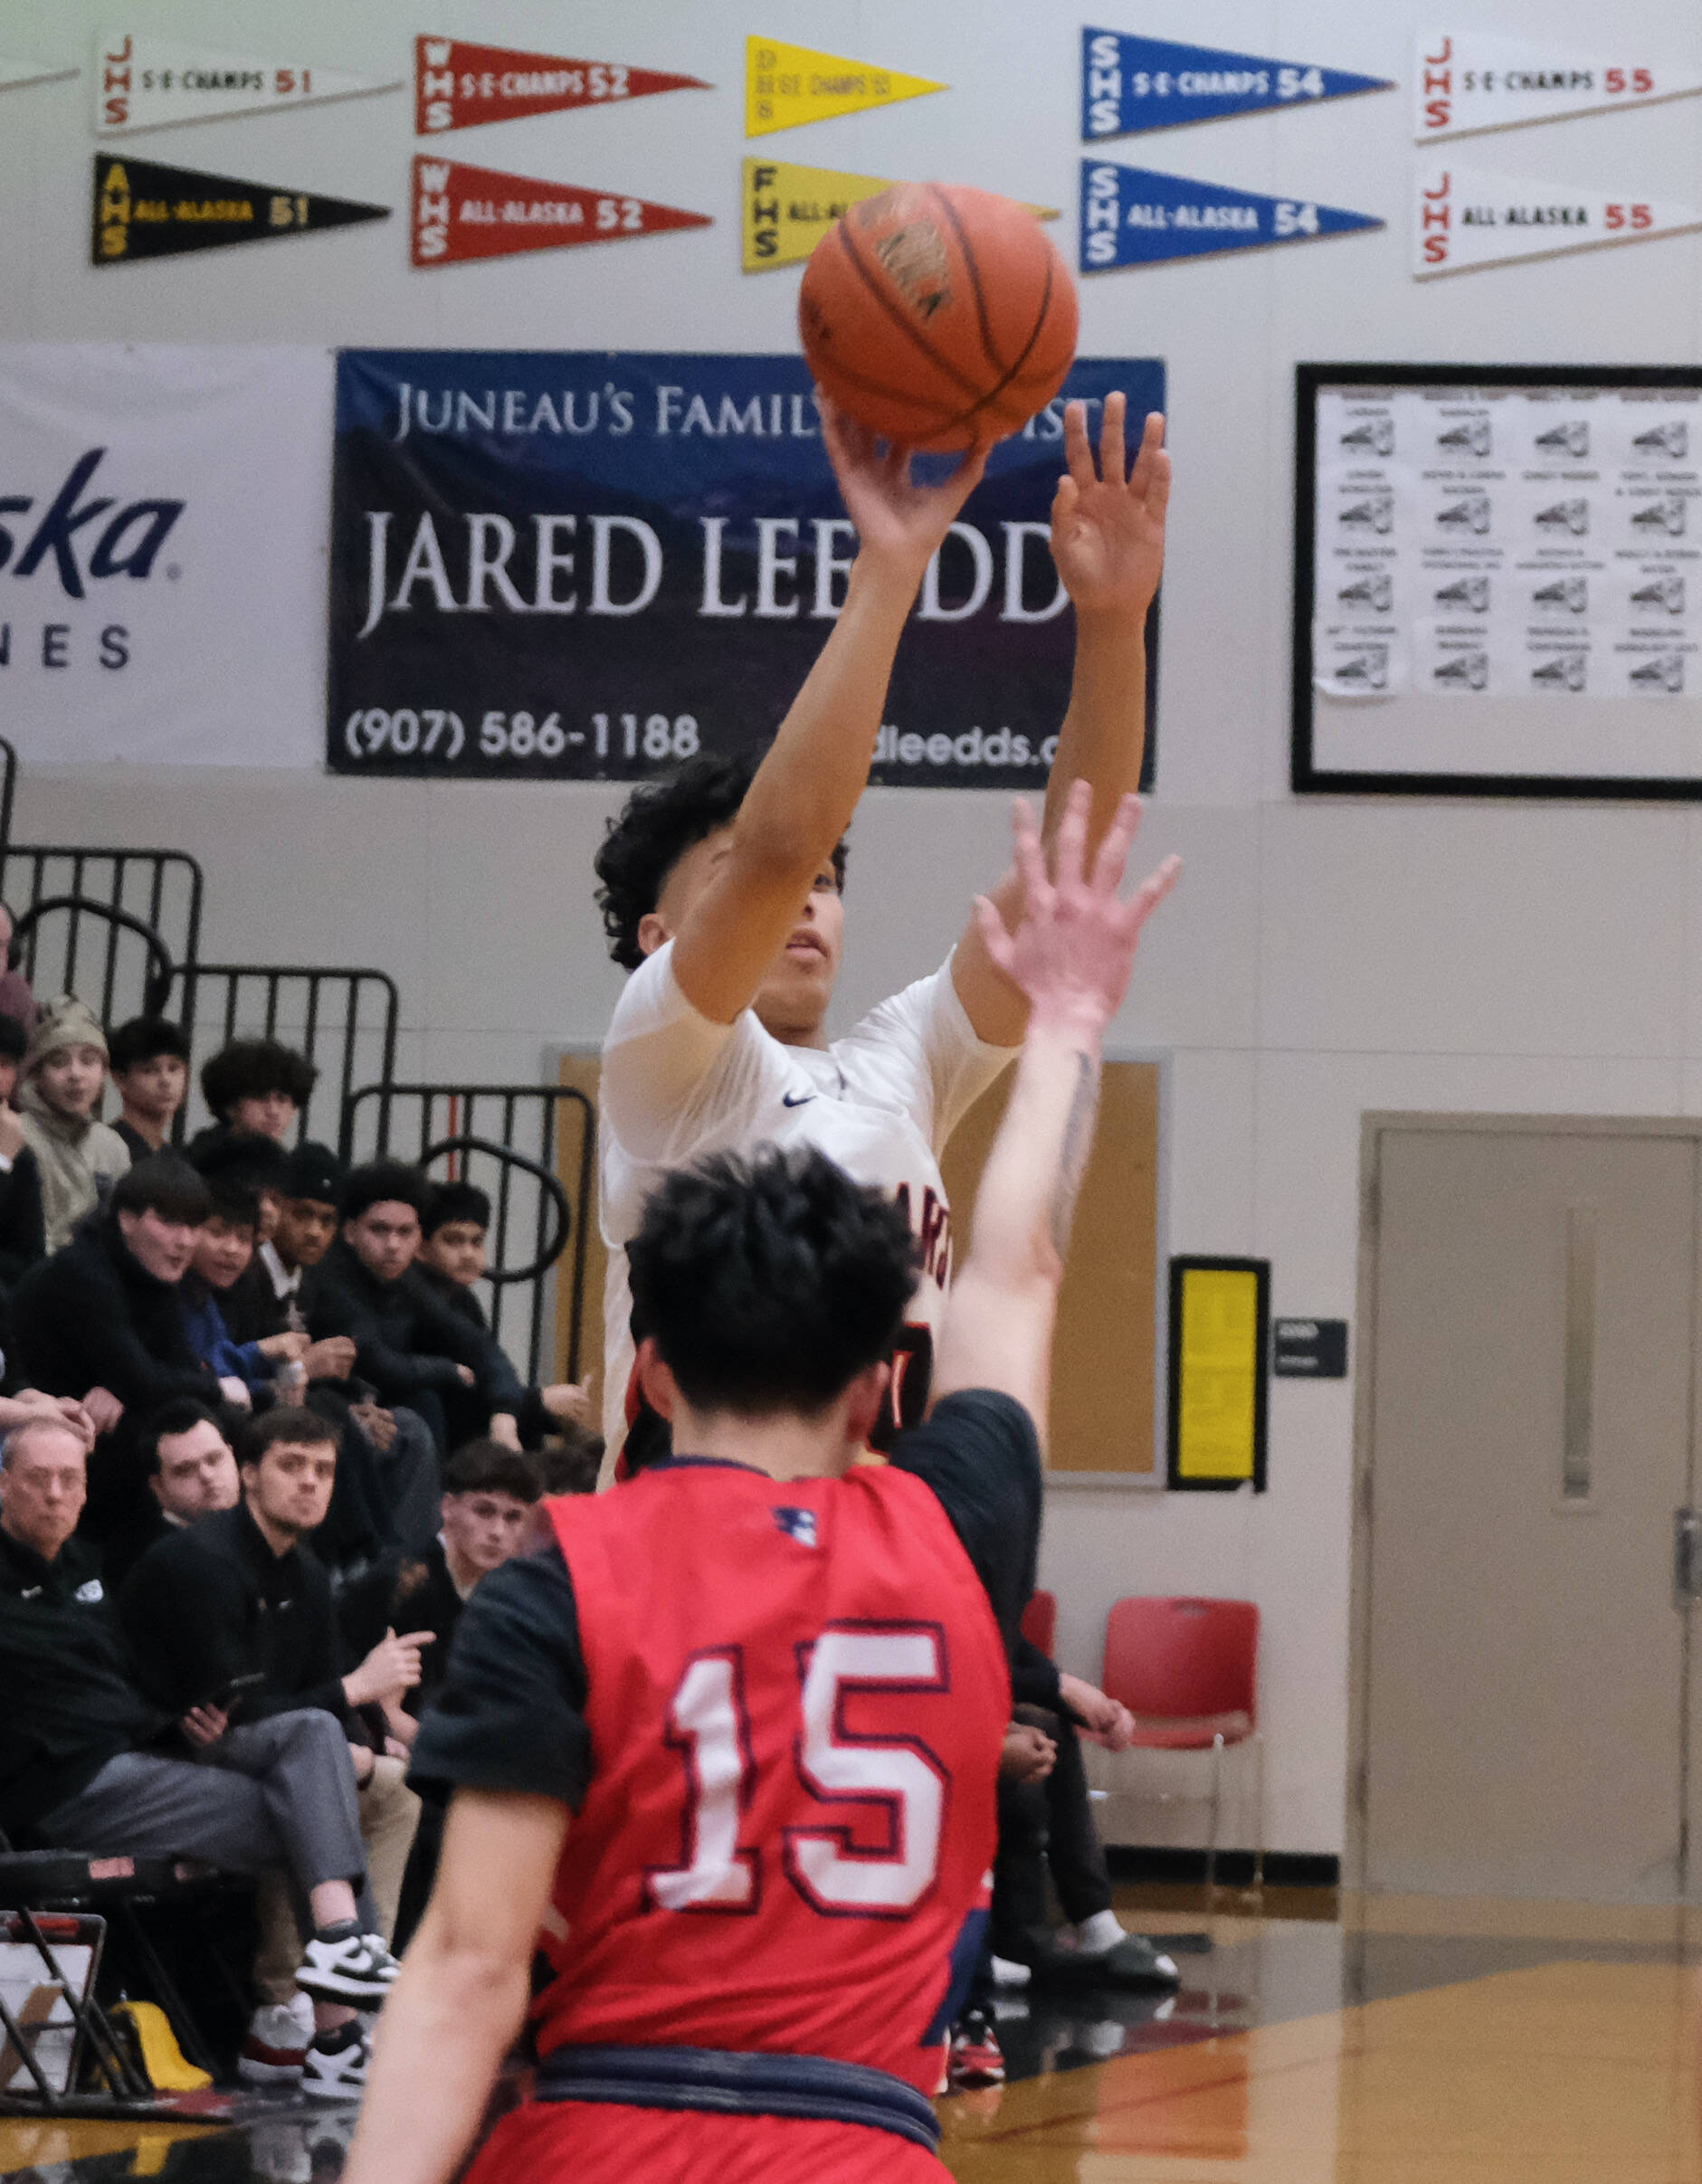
point(459, 86)
point(473, 212)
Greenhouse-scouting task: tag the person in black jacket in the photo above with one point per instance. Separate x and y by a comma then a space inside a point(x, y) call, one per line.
point(410, 1346)
point(241, 1593)
point(452, 1262)
point(23, 1229)
point(89, 1763)
point(102, 1319)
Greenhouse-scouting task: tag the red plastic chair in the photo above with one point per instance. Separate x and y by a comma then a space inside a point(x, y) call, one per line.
point(1040, 1621)
point(1187, 1670)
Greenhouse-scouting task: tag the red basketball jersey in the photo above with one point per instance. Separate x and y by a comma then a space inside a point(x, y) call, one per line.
point(797, 1694)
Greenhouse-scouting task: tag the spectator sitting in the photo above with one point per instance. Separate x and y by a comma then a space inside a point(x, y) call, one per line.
point(64, 1075)
point(149, 1061)
point(255, 1088)
point(102, 1321)
point(453, 1228)
point(570, 1464)
point(88, 1763)
point(490, 1495)
point(190, 1472)
point(16, 999)
point(224, 1253)
point(409, 1343)
point(241, 1593)
point(256, 1168)
point(304, 1231)
point(22, 1238)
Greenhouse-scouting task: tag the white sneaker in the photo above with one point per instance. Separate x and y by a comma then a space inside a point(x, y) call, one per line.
point(353, 1968)
point(275, 2051)
point(337, 2074)
point(1007, 1974)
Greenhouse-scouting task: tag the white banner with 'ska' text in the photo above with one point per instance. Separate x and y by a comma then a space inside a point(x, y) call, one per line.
point(164, 522)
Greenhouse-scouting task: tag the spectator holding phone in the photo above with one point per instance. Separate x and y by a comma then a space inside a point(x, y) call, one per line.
point(232, 1619)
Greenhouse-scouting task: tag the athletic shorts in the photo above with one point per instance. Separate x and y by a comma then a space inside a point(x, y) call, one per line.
point(601, 2142)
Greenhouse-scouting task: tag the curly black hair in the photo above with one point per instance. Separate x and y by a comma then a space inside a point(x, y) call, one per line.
point(769, 1283)
point(658, 823)
point(248, 1068)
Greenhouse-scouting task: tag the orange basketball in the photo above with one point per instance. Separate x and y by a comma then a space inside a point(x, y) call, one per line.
point(932, 311)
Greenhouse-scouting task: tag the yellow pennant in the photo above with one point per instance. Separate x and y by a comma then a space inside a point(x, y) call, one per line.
point(787, 85)
point(786, 210)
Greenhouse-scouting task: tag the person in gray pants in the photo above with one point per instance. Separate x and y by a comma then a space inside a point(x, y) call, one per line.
point(85, 1764)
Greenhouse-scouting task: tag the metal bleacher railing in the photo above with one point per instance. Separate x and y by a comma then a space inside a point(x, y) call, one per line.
point(122, 927)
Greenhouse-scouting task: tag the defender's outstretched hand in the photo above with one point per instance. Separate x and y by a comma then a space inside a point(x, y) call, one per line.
point(1073, 952)
point(1108, 529)
point(896, 517)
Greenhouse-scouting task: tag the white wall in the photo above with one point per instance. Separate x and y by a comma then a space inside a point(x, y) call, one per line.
point(1324, 957)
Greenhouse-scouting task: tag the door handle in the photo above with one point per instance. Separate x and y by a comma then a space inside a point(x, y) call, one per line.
point(1686, 1558)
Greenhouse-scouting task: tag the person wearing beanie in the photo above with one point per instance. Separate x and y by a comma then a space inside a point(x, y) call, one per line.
point(64, 1075)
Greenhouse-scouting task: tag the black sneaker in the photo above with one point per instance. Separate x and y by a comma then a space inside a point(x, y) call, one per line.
point(336, 2065)
point(342, 1965)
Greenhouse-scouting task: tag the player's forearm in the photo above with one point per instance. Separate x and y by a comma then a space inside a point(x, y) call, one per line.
point(816, 769)
point(1028, 1187)
point(1104, 732)
point(446, 2025)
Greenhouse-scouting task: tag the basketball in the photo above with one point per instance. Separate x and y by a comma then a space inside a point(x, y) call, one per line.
point(932, 311)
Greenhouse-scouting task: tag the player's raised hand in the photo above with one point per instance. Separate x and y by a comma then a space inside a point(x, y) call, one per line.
point(1073, 952)
point(1109, 526)
point(897, 519)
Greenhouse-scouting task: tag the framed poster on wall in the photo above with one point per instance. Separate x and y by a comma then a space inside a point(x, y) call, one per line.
point(1498, 580)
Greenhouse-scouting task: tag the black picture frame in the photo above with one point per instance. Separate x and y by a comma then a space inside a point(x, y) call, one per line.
point(1180, 1267)
point(1305, 777)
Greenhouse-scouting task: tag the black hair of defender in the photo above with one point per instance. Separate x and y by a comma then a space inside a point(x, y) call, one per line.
point(769, 1283)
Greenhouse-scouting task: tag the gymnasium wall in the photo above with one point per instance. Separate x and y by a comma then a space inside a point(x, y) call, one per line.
point(1322, 957)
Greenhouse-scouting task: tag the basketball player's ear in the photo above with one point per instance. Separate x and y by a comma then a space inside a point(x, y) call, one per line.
point(661, 1389)
point(652, 932)
point(864, 1398)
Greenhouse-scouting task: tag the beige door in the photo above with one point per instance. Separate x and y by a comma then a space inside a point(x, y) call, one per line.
point(1530, 1427)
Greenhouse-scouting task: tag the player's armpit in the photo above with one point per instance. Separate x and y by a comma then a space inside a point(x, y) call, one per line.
point(463, 1993)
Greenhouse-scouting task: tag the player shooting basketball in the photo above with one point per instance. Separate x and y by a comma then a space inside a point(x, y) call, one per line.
point(721, 892)
point(727, 1749)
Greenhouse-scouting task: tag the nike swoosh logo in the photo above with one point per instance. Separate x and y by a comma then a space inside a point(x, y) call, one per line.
point(794, 1099)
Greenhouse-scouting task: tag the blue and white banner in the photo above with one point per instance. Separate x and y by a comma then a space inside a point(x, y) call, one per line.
point(1132, 84)
point(587, 567)
point(1135, 215)
point(163, 518)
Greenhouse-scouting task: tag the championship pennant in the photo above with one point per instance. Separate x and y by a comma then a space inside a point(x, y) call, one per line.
point(472, 212)
point(1134, 215)
point(788, 85)
point(142, 82)
point(1466, 217)
point(461, 86)
point(16, 74)
point(144, 210)
point(785, 210)
point(1465, 81)
point(1129, 84)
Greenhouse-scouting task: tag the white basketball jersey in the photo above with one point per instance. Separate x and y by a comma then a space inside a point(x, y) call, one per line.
point(881, 1102)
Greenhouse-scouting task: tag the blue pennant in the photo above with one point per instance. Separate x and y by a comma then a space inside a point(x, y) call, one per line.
point(1132, 84)
point(1134, 215)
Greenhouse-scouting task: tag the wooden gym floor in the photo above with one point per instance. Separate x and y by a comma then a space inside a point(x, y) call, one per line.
point(1388, 2041)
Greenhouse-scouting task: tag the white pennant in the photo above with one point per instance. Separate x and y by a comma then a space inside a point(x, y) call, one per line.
point(16, 72)
point(1466, 216)
point(142, 83)
point(1464, 81)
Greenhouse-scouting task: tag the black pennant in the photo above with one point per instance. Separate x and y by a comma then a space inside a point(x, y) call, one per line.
point(144, 210)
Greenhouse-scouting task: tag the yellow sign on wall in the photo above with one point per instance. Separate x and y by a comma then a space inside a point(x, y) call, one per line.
point(788, 85)
point(784, 210)
point(1219, 1336)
